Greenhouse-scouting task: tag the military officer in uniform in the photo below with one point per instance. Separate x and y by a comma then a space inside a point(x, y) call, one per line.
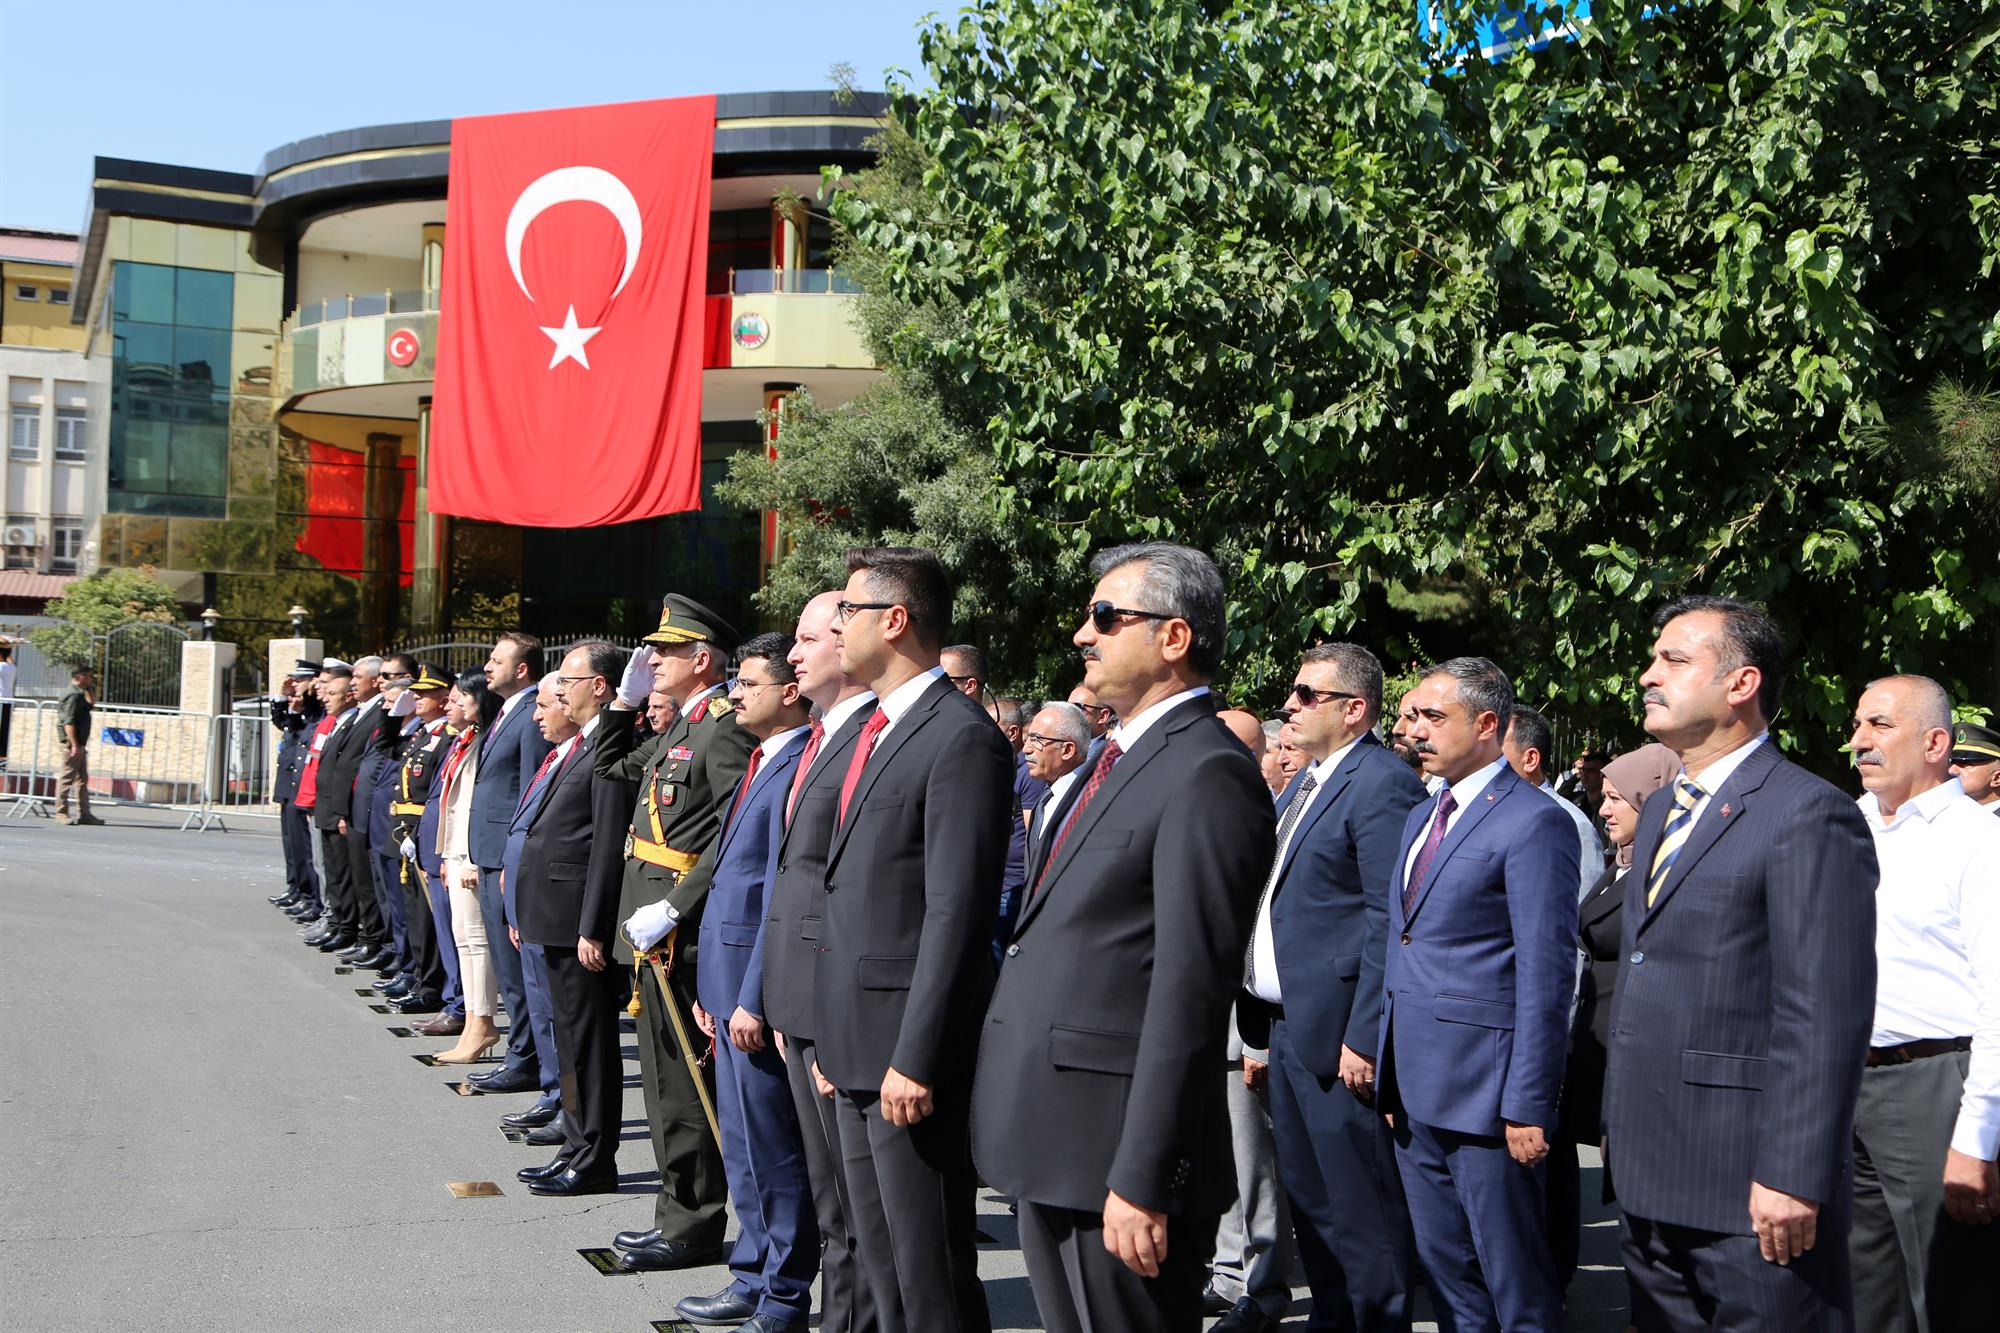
point(434, 956)
point(686, 776)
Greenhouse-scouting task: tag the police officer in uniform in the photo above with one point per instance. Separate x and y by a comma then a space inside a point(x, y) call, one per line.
point(686, 776)
point(295, 713)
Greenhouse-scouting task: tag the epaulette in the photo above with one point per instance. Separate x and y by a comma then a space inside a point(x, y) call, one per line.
point(723, 707)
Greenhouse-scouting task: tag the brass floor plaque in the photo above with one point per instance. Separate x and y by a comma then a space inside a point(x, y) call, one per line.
point(674, 1326)
point(474, 1189)
point(367, 994)
point(463, 1089)
point(605, 1262)
point(423, 1059)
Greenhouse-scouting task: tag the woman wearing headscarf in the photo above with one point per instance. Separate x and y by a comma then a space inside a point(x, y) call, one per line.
point(1628, 781)
point(471, 708)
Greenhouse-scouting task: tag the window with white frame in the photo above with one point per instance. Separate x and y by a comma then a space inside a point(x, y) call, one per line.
point(20, 555)
point(24, 433)
point(58, 296)
point(67, 544)
point(26, 292)
point(72, 421)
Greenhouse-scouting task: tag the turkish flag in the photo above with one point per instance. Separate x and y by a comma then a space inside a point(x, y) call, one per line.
point(570, 344)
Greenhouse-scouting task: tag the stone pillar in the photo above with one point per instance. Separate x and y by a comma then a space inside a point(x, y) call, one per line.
point(205, 667)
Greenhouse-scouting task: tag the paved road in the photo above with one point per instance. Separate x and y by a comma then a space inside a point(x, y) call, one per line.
point(205, 1128)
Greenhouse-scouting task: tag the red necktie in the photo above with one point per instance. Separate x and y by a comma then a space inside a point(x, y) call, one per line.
point(1090, 786)
point(743, 787)
point(1446, 804)
point(528, 792)
point(864, 745)
point(805, 766)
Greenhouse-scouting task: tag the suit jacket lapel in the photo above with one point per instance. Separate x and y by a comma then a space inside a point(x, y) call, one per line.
point(1038, 851)
point(777, 769)
point(1498, 790)
point(1323, 802)
point(832, 758)
point(563, 773)
point(1734, 797)
point(908, 725)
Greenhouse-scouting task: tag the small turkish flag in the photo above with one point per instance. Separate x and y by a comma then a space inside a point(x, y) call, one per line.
point(569, 348)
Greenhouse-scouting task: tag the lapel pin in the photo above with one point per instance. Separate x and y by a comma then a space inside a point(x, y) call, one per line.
point(1490, 796)
point(1725, 812)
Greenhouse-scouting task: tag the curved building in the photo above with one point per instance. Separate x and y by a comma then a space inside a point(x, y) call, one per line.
point(270, 344)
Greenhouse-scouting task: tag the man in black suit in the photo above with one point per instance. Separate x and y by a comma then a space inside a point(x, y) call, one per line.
point(1098, 1105)
point(1313, 992)
point(566, 904)
point(1057, 745)
point(912, 886)
point(788, 952)
point(349, 890)
point(1741, 1020)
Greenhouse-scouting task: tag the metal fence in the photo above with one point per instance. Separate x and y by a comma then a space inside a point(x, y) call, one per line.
point(138, 662)
point(459, 657)
point(159, 758)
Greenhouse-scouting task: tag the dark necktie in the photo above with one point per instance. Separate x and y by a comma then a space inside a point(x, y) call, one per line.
point(1300, 799)
point(813, 743)
point(1096, 780)
point(743, 787)
point(1446, 804)
point(535, 783)
point(864, 745)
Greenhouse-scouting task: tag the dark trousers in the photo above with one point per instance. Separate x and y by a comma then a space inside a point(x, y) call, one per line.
point(437, 904)
point(337, 892)
point(295, 827)
point(507, 971)
point(846, 1305)
point(1081, 1287)
point(693, 1187)
point(1337, 1162)
point(764, 1160)
point(389, 897)
point(593, 1080)
point(419, 927)
point(1915, 1269)
point(371, 925)
point(541, 1016)
point(1478, 1219)
point(1685, 1279)
point(912, 1190)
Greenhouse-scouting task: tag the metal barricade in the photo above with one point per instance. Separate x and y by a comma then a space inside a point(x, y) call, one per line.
point(28, 783)
point(239, 775)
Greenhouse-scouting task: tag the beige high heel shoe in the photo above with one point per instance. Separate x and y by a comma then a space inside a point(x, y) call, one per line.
point(479, 1037)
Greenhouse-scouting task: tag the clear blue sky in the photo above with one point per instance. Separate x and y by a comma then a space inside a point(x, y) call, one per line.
point(216, 83)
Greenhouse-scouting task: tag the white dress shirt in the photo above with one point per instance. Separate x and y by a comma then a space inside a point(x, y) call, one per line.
point(1463, 793)
point(513, 701)
point(1263, 980)
point(1059, 789)
point(903, 698)
point(1719, 771)
point(1130, 729)
point(1937, 942)
point(836, 717)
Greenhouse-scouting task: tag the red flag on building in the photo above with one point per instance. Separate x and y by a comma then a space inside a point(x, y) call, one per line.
point(570, 345)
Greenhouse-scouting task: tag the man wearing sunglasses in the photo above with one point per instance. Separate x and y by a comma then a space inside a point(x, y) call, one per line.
point(1109, 1016)
point(912, 886)
point(1312, 993)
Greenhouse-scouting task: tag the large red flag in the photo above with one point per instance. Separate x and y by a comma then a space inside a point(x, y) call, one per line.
point(570, 346)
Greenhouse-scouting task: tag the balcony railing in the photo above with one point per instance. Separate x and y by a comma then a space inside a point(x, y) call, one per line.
point(804, 281)
point(359, 305)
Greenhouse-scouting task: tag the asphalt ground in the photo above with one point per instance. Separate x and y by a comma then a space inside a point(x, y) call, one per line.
point(204, 1127)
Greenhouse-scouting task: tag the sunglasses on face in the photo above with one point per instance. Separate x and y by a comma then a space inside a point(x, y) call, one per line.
point(1308, 696)
point(1104, 615)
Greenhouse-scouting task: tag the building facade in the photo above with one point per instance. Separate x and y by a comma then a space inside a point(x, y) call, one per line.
point(265, 346)
point(50, 491)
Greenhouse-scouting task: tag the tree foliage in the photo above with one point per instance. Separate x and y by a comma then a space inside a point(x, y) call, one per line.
point(1504, 353)
point(97, 604)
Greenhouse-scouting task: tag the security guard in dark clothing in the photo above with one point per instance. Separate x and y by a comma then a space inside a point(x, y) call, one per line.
point(1975, 762)
point(686, 775)
point(295, 713)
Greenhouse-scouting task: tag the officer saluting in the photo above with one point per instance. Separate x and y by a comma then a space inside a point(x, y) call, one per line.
point(686, 776)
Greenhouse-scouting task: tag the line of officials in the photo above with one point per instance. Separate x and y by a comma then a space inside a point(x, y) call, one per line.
point(810, 863)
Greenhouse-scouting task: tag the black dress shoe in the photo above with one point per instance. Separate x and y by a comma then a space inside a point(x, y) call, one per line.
point(504, 1079)
point(381, 959)
point(667, 1254)
point(567, 1182)
point(418, 1004)
point(1214, 1302)
point(728, 1306)
point(285, 899)
point(354, 953)
point(542, 1172)
point(541, 1113)
point(633, 1240)
point(548, 1135)
point(334, 943)
point(303, 912)
point(1246, 1316)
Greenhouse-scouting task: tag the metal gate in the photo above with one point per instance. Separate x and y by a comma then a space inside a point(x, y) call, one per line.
point(140, 664)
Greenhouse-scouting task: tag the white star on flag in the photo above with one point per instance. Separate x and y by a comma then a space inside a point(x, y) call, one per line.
point(569, 341)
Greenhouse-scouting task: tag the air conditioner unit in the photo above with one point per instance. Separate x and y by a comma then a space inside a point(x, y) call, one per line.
point(20, 534)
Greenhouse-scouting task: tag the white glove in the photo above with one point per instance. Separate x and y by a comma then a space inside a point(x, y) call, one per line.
point(409, 849)
point(649, 925)
point(406, 704)
point(637, 682)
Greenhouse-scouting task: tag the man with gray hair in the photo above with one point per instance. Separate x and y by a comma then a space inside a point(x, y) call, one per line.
point(1056, 742)
point(1011, 716)
point(1927, 1126)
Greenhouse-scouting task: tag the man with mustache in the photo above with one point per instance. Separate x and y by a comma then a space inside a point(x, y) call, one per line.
point(1740, 1023)
point(1927, 1126)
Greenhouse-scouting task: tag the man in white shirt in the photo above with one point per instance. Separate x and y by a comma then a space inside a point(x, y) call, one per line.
point(1530, 741)
point(6, 697)
point(1055, 745)
point(1927, 1127)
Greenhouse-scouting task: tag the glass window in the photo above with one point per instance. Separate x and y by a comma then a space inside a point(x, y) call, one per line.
point(58, 296)
point(200, 460)
point(21, 555)
point(203, 299)
point(25, 292)
point(139, 459)
point(24, 434)
point(144, 292)
point(70, 425)
point(68, 545)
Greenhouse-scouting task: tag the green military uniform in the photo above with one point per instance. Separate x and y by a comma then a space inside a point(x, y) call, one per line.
point(686, 778)
point(74, 711)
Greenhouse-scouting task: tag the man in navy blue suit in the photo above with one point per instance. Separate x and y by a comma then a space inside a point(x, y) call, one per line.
point(509, 753)
point(1740, 1026)
point(1475, 1010)
point(1313, 992)
point(552, 718)
point(777, 1247)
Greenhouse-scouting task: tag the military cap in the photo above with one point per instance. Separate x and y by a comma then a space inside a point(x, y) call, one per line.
point(305, 666)
point(1974, 744)
point(429, 678)
point(684, 620)
point(335, 664)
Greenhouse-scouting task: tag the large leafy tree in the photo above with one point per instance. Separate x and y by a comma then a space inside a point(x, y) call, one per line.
point(1473, 355)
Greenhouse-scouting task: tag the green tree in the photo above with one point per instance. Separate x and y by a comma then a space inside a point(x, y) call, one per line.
point(1503, 352)
point(97, 604)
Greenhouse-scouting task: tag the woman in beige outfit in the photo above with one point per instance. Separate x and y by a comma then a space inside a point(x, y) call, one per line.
point(471, 708)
